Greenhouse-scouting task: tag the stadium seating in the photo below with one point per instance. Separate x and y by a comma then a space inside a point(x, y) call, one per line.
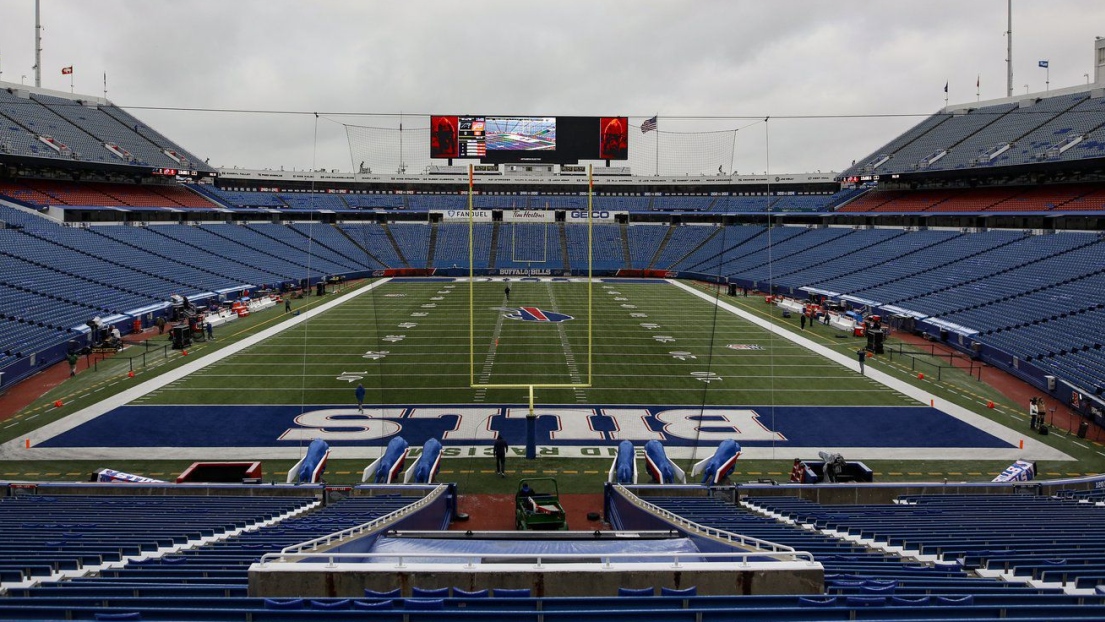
point(176, 156)
point(166, 557)
point(858, 546)
point(375, 201)
point(412, 240)
point(644, 241)
point(1008, 285)
point(1051, 541)
point(252, 199)
point(340, 247)
point(745, 246)
point(43, 193)
point(122, 554)
point(606, 244)
point(982, 280)
point(529, 245)
point(83, 131)
point(451, 247)
point(1052, 198)
point(322, 244)
point(1026, 132)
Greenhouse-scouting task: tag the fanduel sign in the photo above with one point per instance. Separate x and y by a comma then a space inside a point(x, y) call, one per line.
point(461, 215)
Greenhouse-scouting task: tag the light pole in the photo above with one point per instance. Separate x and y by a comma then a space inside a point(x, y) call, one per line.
point(1087, 76)
point(1026, 89)
point(23, 79)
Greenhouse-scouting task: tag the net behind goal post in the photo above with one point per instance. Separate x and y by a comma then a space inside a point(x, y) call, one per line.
point(528, 246)
point(679, 147)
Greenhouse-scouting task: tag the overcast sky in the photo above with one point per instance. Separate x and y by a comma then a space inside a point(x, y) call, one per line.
point(726, 59)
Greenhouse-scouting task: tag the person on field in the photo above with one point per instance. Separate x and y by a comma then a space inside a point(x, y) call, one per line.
point(500, 454)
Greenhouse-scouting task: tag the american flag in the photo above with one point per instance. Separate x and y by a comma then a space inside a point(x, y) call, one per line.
point(648, 125)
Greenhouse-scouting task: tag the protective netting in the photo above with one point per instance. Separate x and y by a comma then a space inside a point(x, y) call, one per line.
point(678, 147)
point(387, 150)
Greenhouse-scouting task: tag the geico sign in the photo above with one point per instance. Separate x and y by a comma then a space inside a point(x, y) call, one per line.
point(594, 215)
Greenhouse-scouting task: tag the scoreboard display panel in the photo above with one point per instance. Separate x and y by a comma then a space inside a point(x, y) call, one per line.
point(517, 139)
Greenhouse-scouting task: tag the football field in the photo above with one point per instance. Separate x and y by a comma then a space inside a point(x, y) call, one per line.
point(455, 360)
point(409, 343)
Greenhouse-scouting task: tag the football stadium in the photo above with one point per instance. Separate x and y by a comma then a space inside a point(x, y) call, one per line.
point(497, 352)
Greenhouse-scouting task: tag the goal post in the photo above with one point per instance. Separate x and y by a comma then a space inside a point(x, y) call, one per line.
point(588, 375)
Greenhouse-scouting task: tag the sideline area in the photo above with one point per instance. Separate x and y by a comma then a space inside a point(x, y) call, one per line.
point(16, 448)
point(1033, 449)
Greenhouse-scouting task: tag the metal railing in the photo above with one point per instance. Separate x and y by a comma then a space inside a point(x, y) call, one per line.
point(607, 560)
point(375, 524)
point(109, 360)
point(972, 368)
point(763, 546)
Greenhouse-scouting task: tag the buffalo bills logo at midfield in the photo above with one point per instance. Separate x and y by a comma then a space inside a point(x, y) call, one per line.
point(533, 314)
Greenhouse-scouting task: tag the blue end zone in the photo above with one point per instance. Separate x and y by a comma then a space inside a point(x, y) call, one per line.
point(681, 426)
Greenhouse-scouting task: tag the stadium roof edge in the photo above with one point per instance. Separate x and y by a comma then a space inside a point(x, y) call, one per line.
point(52, 93)
point(1070, 90)
point(230, 174)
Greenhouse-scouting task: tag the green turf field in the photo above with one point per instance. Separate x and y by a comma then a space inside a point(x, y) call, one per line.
point(418, 354)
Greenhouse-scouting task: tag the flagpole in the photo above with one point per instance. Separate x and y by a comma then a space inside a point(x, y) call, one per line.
point(1009, 51)
point(105, 86)
point(70, 81)
point(38, 46)
point(657, 117)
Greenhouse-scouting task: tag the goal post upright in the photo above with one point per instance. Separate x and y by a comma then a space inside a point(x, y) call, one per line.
point(590, 264)
point(530, 387)
point(471, 284)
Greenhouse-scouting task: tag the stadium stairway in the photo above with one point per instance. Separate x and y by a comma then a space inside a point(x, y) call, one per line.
point(492, 261)
point(432, 244)
point(398, 248)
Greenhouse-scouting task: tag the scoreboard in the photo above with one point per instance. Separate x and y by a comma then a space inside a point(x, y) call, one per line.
point(471, 137)
point(519, 139)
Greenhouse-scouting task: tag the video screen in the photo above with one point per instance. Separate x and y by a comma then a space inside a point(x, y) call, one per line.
point(613, 138)
point(522, 139)
point(443, 137)
point(521, 133)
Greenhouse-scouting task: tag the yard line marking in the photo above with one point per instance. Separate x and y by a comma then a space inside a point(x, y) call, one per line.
point(489, 360)
point(566, 348)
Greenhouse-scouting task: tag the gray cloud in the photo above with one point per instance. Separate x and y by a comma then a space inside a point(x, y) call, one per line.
point(679, 59)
